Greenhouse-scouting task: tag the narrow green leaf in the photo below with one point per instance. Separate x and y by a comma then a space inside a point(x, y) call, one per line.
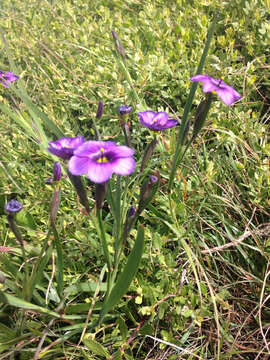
point(127, 275)
point(39, 266)
point(20, 303)
point(18, 118)
point(95, 347)
point(6, 332)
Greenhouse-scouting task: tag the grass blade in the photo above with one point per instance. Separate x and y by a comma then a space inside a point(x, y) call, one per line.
point(20, 303)
point(127, 275)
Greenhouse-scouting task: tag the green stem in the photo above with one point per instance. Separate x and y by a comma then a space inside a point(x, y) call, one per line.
point(103, 239)
point(17, 233)
point(59, 251)
point(129, 80)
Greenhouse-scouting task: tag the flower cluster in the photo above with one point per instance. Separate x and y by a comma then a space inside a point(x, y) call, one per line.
point(99, 159)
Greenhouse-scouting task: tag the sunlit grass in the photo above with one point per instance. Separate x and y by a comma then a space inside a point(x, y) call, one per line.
point(205, 268)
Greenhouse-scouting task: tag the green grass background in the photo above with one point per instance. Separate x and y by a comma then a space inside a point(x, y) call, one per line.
point(64, 52)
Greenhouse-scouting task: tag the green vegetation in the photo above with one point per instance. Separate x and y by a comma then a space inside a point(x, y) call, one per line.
point(201, 291)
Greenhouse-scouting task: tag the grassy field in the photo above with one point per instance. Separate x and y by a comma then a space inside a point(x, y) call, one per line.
point(202, 286)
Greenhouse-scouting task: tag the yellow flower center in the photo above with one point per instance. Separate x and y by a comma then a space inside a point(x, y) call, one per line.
point(102, 159)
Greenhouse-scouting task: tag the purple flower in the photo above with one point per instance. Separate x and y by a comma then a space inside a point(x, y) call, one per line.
point(64, 147)
point(226, 93)
point(7, 77)
point(124, 109)
point(100, 159)
point(13, 206)
point(57, 172)
point(156, 121)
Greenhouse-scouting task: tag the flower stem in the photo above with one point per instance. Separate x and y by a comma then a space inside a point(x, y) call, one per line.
point(103, 239)
point(17, 233)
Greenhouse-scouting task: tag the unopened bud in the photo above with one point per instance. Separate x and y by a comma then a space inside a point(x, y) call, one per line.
point(13, 207)
point(131, 212)
point(124, 109)
point(148, 153)
point(148, 191)
point(201, 113)
point(57, 172)
point(100, 110)
point(54, 206)
point(118, 45)
point(100, 194)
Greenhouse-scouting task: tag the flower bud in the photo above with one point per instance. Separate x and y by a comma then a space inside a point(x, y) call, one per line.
point(118, 45)
point(54, 206)
point(131, 212)
point(57, 172)
point(148, 190)
point(13, 207)
point(100, 194)
point(201, 114)
point(124, 109)
point(100, 110)
point(148, 153)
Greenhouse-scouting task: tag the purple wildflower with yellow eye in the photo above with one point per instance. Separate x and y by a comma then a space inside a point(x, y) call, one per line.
point(226, 93)
point(7, 77)
point(100, 159)
point(156, 121)
point(64, 147)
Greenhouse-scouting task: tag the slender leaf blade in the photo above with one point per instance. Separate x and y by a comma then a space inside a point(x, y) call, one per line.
point(20, 303)
point(127, 275)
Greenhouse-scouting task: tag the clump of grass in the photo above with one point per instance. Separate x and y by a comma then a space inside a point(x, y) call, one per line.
point(205, 263)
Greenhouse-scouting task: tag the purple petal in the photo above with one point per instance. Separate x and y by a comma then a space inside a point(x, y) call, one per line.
point(92, 147)
point(76, 142)
point(100, 172)
point(146, 117)
point(228, 95)
point(69, 142)
point(79, 165)
point(171, 123)
point(161, 118)
point(209, 86)
point(198, 78)
point(124, 166)
point(10, 77)
point(122, 152)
